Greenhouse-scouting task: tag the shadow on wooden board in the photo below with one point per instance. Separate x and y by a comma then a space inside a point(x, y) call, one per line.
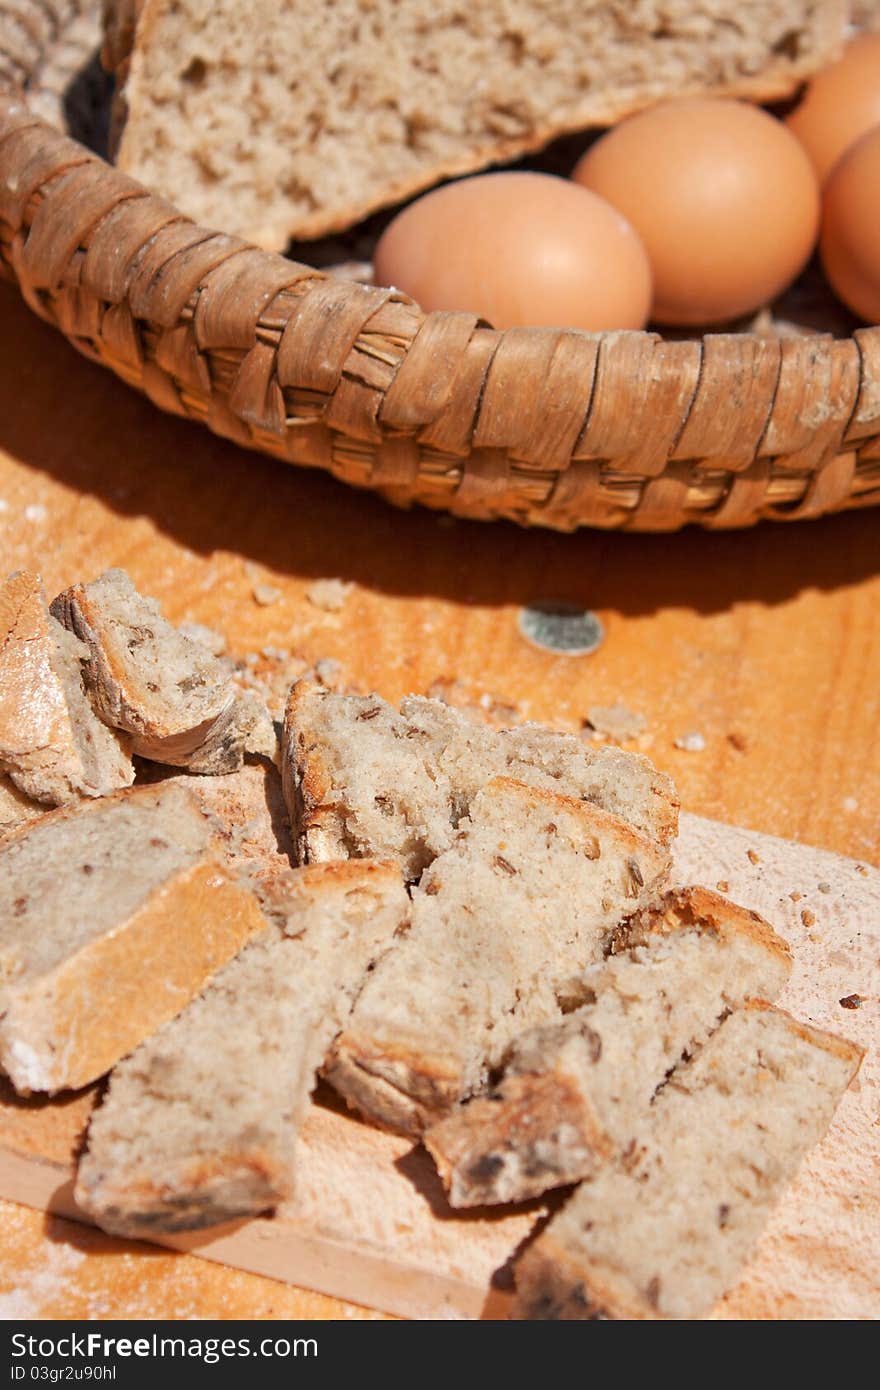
point(76, 421)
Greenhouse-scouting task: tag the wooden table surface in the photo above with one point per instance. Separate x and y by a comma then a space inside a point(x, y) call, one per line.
point(765, 644)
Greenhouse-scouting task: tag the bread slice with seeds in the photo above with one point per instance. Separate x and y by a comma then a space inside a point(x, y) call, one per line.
point(113, 914)
point(200, 1124)
point(576, 1092)
point(361, 778)
point(664, 1233)
point(528, 894)
point(167, 692)
point(53, 747)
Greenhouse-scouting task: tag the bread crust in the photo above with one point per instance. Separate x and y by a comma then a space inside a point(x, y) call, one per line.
point(503, 1147)
point(341, 877)
point(849, 1052)
point(190, 1197)
point(307, 779)
point(42, 750)
point(214, 744)
point(699, 906)
point(539, 800)
point(551, 1286)
point(398, 1089)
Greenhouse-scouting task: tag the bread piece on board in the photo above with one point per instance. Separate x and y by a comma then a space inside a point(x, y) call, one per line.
point(113, 914)
point(362, 779)
point(664, 1233)
point(525, 898)
point(52, 746)
point(344, 107)
point(575, 1092)
point(200, 1124)
point(175, 700)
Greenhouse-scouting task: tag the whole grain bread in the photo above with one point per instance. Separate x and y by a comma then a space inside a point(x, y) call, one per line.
point(576, 1092)
point(664, 1232)
point(200, 1124)
point(53, 748)
point(362, 779)
point(528, 894)
point(272, 120)
point(175, 700)
point(113, 914)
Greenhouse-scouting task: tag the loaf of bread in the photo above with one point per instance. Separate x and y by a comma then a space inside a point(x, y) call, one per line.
point(272, 120)
point(529, 892)
point(200, 1124)
point(53, 748)
point(166, 691)
point(664, 1232)
point(113, 914)
point(362, 779)
point(576, 1092)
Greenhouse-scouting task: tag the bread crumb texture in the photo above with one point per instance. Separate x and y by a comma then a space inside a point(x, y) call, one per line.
point(361, 778)
point(270, 119)
point(53, 747)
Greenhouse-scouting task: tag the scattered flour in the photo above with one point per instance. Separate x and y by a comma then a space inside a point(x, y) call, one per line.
point(37, 1288)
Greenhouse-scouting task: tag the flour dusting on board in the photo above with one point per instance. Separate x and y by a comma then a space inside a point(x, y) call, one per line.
point(42, 1285)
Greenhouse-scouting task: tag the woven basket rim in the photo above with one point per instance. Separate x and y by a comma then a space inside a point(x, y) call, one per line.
point(553, 427)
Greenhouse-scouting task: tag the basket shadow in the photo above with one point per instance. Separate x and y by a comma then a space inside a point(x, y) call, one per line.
point(71, 418)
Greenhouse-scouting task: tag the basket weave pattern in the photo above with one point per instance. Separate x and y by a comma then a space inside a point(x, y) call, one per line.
point(543, 426)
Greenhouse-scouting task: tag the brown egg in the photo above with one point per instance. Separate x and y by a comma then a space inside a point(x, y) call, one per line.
point(519, 249)
point(723, 197)
point(841, 104)
point(850, 245)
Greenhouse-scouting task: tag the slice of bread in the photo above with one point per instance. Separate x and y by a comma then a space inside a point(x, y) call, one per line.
point(362, 779)
point(200, 1124)
point(52, 746)
point(528, 894)
point(576, 1092)
point(175, 700)
point(113, 914)
point(271, 119)
point(665, 1232)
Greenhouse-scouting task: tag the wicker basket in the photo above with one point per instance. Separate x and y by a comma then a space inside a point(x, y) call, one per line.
point(542, 426)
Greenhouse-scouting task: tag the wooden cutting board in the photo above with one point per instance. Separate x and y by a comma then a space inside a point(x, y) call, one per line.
point(764, 643)
point(370, 1223)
